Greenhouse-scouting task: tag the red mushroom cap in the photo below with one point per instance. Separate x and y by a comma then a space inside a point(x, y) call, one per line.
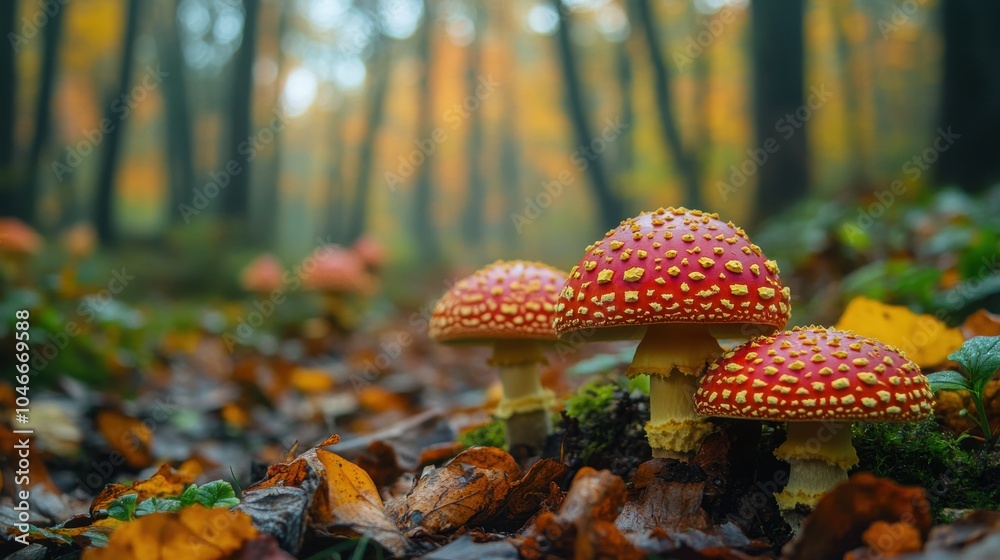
point(17, 238)
point(370, 251)
point(812, 374)
point(673, 266)
point(505, 300)
point(336, 269)
point(263, 274)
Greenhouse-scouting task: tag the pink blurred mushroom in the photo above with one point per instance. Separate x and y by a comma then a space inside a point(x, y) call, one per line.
point(263, 275)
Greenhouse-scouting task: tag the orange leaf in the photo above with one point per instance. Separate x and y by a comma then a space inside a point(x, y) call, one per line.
point(310, 381)
point(128, 436)
point(924, 339)
point(165, 483)
point(981, 323)
point(193, 533)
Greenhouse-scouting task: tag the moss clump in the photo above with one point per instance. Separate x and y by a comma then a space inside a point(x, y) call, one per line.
point(603, 426)
point(954, 475)
point(490, 434)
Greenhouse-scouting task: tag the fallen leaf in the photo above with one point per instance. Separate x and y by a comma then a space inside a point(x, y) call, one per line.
point(166, 482)
point(981, 323)
point(584, 526)
point(964, 532)
point(311, 381)
point(466, 491)
point(379, 461)
point(129, 436)
point(338, 495)
point(924, 339)
point(193, 533)
point(840, 519)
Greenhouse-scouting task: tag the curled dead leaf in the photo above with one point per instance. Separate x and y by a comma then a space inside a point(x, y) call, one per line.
point(130, 437)
point(165, 482)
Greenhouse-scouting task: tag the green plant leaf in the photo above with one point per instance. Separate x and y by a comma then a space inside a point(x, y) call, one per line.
point(189, 496)
point(980, 357)
point(154, 505)
point(948, 381)
point(218, 493)
point(123, 509)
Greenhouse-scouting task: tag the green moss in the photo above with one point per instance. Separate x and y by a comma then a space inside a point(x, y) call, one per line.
point(602, 426)
point(490, 435)
point(955, 476)
point(590, 400)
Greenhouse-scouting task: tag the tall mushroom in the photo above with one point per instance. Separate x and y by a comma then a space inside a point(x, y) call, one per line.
point(818, 380)
point(507, 305)
point(678, 279)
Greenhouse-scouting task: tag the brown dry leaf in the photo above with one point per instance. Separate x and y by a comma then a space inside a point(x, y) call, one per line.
point(666, 506)
point(193, 533)
point(528, 492)
point(164, 483)
point(379, 461)
point(892, 538)
point(584, 527)
point(466, 491)
point(981, 323)
point(964, 532)
point(842, 516)
point(379, 399)
point(327, 492)
point(923, 338)
point(128, 436)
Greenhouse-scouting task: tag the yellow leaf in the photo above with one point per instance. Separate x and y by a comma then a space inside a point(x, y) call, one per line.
point(311, 380)
point(924, 339)
point(193, 533)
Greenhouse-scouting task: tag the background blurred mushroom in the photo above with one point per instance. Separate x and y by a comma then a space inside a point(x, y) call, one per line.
point(678, 279)
point(371, 253)
point(819, 381)
point(508, 305)
point(18, 243)
point(340, 276)
point(263, 275)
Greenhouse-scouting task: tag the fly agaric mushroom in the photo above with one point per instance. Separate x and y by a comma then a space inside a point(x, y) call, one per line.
point(508, 305)
point(263, 275)
point(18, 243)
point(337, 273)
point(678, 279)
point(818, 380)
point(371, 253)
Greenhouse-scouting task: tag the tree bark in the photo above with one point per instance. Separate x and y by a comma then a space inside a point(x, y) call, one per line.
point(686, 163)
point(381, 65)
point(609, 206)
point(26, 198)
point(779, 73)
point(236, 197)
point(104, 206)
point(180, 139)
point(473, 219)
point(970, 88)
point(423, 215)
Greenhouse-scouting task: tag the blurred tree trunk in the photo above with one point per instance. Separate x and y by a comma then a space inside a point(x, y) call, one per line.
point(510, 161)
point(336, 181)
point(969, 117)
point(268, 207)
point(624, 153)
point(687, 166)
point(609, 205)
point(855, 140)
point(778, 53)
point(701, 70)
point(236, 196)
point(104, 204)
point(180, 139)
point(26, 198)
point(473, 219)
point(381, 68)
point(423, 214)
point(8, 113)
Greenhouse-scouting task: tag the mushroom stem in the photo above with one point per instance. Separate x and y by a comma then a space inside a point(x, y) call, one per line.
point(525, 403)
point(674, 356)
point(819, 455)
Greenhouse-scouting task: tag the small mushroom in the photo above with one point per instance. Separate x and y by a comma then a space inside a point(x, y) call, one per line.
point(18, 243)
point(677, 279)
point(508, 305)
point(339, 275)
point(819, 381)
point(263, 275)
